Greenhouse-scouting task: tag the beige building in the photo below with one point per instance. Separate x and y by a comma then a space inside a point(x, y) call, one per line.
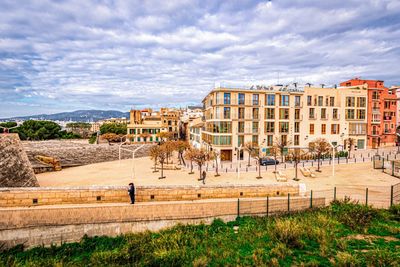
point(235, 116)
point(335, 114)
point(195, 130)
point(145, 125)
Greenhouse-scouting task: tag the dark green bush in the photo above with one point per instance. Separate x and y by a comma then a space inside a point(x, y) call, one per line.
point(395, 211)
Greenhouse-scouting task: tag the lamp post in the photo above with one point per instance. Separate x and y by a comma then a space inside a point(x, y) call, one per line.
point(238, 149)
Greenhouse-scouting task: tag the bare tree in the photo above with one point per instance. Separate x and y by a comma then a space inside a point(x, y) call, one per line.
point(110, 137)
point(274, 151)
point(162, 156)
point(250, 147)
point(200, 156)
point(296, 154)
point(282, 144)
point(350, 144)
point(169, 149)
point(180, 147)
point(164, 136)
point(215, 155)
point(319, 147)
point(154, 154)
point(189, 155)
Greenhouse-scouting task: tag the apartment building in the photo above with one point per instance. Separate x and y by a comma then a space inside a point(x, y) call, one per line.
point(381, 114)
point(145, 125)
point(235, 116)
point(188, 115)
point(336, 114)
point(195, 129)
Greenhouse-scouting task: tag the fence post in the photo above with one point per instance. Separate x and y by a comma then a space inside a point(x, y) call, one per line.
point(392, 168)
point(288, 202)
point(267, 206)
point(366, 196)
point(238, 208)
point(391, 196)
point(311, 199)
point(334, 193)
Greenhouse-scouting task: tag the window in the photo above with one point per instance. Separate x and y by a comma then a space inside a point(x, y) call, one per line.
point(335, 113)
point(270, 100)
point(350, 114)
point(216, 99)
point(270, 127)
point(241, 99)
point(323, 128)
point(309, 100)
point(270, 140)
point(284, 127)
point(323, 113)
point(227, 98)
point(311, 128)
point(297, 127)
point(241, 127)
point(255, 126)
point(254, 139)
point(350, 101)
point(241, 113)
point(312, 113)
point(320, 101)
point(360, 114)
point(240, 140)
point(255, 99)
point(361, 102)
point(227, 113)
point(297, 101)
point(284, 113)
point(387, 104)
point(297, 114)
point(255, 114)
point(284, 100)
point(284, 140)
point(375, 95)
point(327, 101)
point(297, 140)
point(335, 129)
point(219, 127)
point(270, 113)
point(332, 101)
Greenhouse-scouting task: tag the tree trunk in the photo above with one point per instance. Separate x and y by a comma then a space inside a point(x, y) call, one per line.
point(296, 169)
point(275, 163)
point(259, 169)
point(162, 170)
point(248, 164)
point(155, 165)
point(200, 172)
point(319, 156)
point(183, 159)
point(191, 166)
point(216, 167)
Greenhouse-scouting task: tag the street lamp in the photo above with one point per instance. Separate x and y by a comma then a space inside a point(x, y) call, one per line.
point(333, 156)
point(238, 149)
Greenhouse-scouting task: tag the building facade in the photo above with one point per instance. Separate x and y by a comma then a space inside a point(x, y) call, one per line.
point(235, 116)
point(146, 125)
point(381, 114)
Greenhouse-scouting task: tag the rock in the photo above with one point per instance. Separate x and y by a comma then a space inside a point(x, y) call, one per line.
point(15, 168)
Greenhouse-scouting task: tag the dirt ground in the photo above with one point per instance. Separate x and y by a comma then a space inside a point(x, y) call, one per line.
point(120, 173)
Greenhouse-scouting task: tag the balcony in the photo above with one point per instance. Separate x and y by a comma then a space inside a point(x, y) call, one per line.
point(377, 121)
point(376, 110)
point(387, 118)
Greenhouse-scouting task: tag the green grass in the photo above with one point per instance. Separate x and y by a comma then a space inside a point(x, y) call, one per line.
point(343, 234)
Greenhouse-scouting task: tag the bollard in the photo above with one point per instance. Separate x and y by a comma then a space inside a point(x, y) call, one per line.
point(330, 161)
point(366, 196)
point(387, 157)
point(285, 165)
point(312, 163)
point(355, 160)
point(303, 163)
point(368, 155)
point(231, 166)
point(288, 202)
point(267, 206)
point(392, 168)
point(266, 167)
point(338, 160)
point(238, 208)
point(347, 160)
point(247, 169)
point(226, 170)
point(334, 193)
point(363, 160)
point(311, 199)
point(391, 196)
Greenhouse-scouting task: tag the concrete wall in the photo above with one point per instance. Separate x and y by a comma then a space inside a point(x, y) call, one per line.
point(12, 197)
point(45, 225)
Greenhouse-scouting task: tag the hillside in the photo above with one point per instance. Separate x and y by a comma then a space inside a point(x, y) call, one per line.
point(78, 115)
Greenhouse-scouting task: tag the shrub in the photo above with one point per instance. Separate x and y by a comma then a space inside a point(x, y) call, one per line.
point(382, 257)
point(346, 259)
point(352, 214)
point(289, 232)
point(395, 211)
point(280, 251)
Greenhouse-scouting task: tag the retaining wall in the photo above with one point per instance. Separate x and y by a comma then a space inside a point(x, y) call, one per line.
point(45, 225)
point(13, 197)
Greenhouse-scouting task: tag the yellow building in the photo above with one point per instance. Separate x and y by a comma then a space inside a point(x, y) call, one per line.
point(145, 125)
point(235, 116)
point(335, 114)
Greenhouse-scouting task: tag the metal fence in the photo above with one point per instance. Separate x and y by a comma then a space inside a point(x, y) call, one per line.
point(375, 196)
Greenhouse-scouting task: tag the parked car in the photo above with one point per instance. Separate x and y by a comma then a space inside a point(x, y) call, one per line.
point(268, 161)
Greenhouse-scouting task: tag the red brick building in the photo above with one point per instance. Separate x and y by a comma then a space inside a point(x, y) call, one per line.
point(381, 114)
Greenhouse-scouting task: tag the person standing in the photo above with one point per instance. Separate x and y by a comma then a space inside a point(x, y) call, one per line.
point(131, 192)
point(204, 174)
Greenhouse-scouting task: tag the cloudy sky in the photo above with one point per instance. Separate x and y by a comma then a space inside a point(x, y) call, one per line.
point(66, 55)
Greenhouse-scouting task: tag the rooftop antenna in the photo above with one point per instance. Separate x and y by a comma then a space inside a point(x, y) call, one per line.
point(322, 85)
point(309, 84)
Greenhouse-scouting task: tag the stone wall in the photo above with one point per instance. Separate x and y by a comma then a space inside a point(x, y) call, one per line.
point(15, 169)
point(77, 152)
point(68, 223)
point(10, 197)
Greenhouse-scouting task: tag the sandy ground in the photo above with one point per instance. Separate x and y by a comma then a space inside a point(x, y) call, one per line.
point(120, 173)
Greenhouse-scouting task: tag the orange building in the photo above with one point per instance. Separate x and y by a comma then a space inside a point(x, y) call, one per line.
point(381, 114)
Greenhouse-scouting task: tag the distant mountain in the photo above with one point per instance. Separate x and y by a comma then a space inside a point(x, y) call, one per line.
point(78, 115)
